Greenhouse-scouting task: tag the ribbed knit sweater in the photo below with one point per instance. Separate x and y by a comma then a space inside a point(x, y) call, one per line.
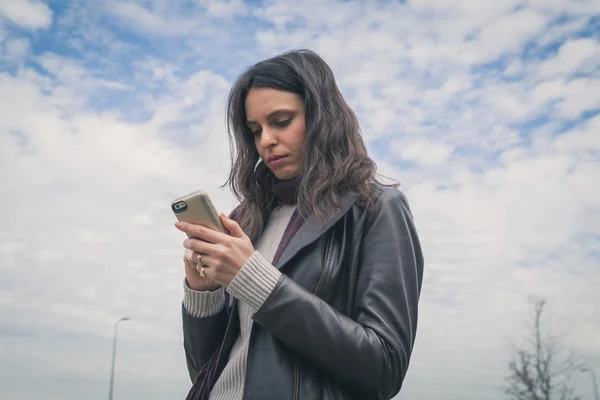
point(252, 285)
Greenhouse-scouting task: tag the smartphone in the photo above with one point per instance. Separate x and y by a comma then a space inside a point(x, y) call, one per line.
point(197, 208)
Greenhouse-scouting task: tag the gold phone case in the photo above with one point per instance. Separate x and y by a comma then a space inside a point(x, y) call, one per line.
point(197, 208)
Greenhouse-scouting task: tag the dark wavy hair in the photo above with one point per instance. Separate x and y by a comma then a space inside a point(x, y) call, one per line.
point(335, 158)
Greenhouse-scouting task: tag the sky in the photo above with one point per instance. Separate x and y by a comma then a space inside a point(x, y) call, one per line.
point(488, 113)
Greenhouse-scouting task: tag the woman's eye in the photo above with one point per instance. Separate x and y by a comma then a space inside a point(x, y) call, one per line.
point(256, 132)
point(283, 124)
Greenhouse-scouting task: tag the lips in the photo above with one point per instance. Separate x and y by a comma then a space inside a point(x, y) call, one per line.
point(275, 158)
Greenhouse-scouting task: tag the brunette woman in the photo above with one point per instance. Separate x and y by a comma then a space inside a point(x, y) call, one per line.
point(314, 294)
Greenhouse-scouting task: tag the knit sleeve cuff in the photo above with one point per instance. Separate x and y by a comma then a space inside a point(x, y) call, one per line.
point(203, 304)
point(255, 281)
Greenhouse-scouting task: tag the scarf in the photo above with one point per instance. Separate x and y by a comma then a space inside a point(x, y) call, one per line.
point(286, 192)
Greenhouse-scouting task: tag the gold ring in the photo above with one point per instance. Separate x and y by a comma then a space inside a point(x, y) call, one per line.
point(202, 273)
point(200, 260)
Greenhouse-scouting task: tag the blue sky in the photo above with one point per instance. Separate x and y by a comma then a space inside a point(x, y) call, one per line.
point(488, 114)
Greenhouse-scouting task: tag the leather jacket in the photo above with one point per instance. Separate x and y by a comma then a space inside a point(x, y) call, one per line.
point(342, 320)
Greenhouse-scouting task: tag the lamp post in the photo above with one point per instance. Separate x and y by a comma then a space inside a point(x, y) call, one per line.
point(114, 352)
point(587, 369)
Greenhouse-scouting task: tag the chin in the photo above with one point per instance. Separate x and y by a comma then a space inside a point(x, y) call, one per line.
point(284, 175)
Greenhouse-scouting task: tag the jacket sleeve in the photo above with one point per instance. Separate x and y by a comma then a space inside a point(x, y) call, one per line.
point(201, 338)
point(205, 320)
point(369, 352)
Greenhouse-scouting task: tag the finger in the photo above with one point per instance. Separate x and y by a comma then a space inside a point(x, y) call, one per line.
point(207, 264)
point(199, 246)
point(200, 266)
point(202, 232)
point(192, 256)
point(233, 227)
point(200, 258)
point(185, 227)
point(208, 273)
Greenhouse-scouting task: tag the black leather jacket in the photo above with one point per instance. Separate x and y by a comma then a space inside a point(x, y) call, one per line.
point(341, 322)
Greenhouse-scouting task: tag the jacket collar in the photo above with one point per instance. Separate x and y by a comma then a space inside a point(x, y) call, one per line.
point(312, 229)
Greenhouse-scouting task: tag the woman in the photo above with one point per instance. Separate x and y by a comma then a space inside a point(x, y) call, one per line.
point(314, 293)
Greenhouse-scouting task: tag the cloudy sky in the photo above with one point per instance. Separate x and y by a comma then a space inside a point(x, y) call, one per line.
point(488, 113)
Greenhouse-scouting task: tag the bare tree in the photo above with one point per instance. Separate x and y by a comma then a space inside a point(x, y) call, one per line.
point(541, 369)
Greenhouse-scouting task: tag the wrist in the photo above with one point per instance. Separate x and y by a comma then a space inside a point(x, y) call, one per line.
point(201, 304)
point(202, 286)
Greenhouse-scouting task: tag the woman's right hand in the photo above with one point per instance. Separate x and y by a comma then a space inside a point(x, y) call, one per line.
point(195, 281)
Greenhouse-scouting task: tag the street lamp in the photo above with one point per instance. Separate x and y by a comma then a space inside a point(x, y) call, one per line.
point(587, 369)
point(114, 352)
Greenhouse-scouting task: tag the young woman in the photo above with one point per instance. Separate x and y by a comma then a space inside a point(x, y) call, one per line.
point(314, 294)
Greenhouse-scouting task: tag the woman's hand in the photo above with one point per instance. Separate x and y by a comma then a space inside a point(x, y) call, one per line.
point(192, 274)
point(223, 255)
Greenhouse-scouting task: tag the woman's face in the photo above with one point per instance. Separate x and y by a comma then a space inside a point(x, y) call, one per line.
point(276, 118)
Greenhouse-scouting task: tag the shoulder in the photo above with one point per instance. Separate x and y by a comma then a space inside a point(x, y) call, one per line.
point(385, 194)
point(390, 206)
point(387, 206)
point(386, 197)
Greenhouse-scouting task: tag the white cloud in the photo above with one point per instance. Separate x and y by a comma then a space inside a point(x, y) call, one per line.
point(578, 7)
point(146, 21)
point(507, 35)
point(569, 98)
point(69, 80)
point(224, 9)
point(424, 153)
point(573, 56)
point(166, 18)
point(30, 14)
point(8, 252)
point(581, 140)
point(17, 49)
point(558, 32)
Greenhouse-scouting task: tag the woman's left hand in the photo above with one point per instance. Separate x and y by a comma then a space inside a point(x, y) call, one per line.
point(223, 255)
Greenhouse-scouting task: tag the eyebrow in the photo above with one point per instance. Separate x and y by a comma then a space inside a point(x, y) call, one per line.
point(275, 113)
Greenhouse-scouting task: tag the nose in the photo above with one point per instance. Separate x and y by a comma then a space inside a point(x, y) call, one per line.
point(267, 138)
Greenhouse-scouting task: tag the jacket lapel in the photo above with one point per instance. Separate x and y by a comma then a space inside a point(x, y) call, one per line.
point(312, 229)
